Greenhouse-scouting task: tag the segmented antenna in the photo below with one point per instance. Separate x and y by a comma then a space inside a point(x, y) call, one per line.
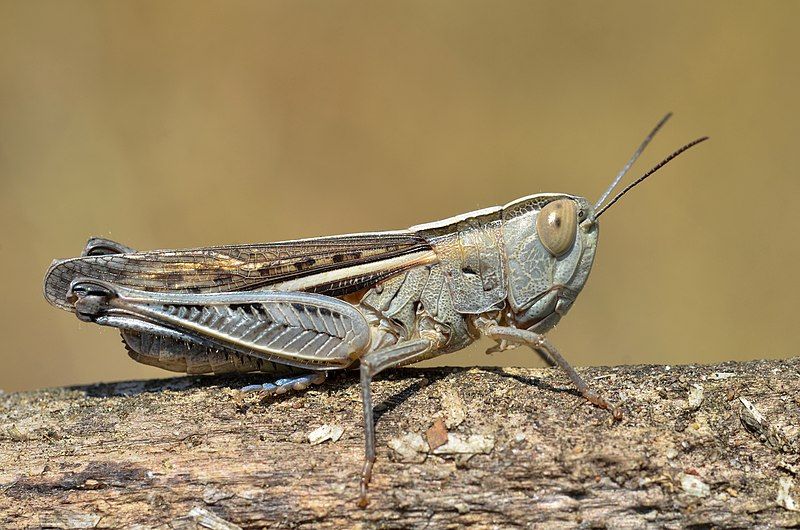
point(636, 154)
point(653, 170)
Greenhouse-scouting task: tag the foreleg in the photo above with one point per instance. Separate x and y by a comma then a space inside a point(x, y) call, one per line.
point(545, 348)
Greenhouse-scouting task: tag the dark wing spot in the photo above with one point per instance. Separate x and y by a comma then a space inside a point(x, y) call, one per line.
point(305, 264)
point(338, 258)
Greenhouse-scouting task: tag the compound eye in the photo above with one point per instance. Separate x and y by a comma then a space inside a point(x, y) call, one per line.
point(557, 225)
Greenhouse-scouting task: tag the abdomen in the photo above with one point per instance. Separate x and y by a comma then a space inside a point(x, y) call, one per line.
point(187, 357)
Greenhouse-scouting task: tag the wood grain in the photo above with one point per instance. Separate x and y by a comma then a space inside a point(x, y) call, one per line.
point(522, 450)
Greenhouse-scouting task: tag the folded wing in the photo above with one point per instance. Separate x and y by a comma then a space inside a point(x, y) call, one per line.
point(334, 266)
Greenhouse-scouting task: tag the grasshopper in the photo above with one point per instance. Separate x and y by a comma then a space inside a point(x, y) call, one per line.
point(372, 301)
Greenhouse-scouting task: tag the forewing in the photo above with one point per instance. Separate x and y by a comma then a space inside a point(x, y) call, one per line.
point(360, 260)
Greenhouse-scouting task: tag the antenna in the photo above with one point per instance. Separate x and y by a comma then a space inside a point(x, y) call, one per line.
point(636, 154)
point(653, 170)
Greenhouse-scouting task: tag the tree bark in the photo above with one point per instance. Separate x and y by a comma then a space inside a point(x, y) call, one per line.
point(698, 446)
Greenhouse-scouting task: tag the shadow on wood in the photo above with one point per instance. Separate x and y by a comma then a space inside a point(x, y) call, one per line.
point(699, 445)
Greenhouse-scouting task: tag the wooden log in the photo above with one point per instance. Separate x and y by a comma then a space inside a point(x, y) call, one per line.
point(699, 446)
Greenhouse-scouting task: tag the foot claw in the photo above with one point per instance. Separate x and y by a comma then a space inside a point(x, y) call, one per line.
point(363, 501)
point(366, 476)
point(594, 399)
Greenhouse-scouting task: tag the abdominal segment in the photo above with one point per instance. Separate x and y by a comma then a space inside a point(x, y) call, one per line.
point(187, 357)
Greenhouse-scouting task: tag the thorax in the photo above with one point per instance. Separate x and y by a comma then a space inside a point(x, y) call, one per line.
point(468, 279)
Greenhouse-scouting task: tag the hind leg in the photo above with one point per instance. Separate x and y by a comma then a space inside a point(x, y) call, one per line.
point(281, 386)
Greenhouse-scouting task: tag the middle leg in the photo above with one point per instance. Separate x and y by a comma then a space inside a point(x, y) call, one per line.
point(371, 365)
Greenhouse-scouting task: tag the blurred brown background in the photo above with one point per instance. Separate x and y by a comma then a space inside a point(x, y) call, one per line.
point(178, 124)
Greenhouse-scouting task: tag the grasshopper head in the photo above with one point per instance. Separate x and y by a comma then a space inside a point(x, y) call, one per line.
point(550, 241)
